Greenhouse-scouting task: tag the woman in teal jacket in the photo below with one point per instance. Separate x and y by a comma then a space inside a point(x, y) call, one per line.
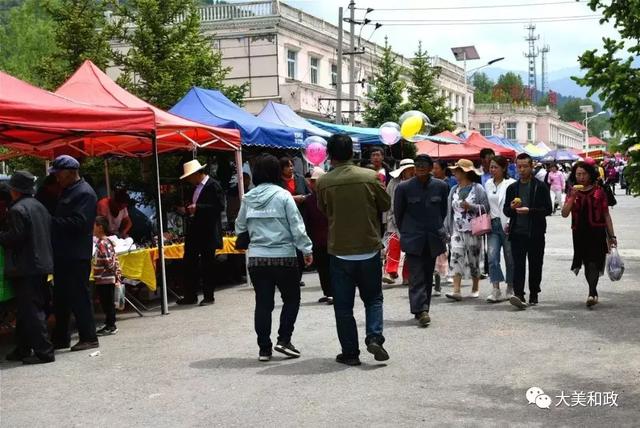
point(276, 229)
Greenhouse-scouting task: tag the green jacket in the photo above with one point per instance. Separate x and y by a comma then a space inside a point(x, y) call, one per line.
point(352, 199)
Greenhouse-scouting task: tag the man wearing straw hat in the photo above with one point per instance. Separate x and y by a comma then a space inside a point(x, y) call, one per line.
point(29, 259)
point(420, 206)
point(203, 234)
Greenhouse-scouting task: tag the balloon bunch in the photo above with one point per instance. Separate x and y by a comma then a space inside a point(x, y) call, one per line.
point(414, 126)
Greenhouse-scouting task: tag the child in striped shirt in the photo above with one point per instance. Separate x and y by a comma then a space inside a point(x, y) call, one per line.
point(106, 274)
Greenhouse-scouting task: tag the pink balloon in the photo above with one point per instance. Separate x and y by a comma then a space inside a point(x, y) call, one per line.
point(316, 153)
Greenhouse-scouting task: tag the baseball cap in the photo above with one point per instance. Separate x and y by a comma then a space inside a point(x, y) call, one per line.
point(63, 162)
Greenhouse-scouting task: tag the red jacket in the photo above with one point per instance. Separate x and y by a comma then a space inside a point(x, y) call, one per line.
point(596, 202)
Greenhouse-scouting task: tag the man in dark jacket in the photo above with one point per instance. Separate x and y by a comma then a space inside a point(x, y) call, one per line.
point(420, 206)
point(352, 199)
point(203, 234)
point(527, 204)
point(72, 232)
point(28, 261)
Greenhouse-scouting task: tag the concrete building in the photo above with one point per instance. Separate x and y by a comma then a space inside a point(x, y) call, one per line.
point(526, 124)
point(289, 56)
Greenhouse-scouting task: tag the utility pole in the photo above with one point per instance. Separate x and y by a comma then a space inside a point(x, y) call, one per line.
point(532, 55)
point(352, 74)
point(339, 70)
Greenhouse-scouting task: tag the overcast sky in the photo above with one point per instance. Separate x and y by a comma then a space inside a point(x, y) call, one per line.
point(566, 39)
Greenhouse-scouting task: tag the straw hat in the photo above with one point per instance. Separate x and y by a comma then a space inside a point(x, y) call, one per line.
point(404, 164)
point(191, 167)
point(317, 173)
point(466, 165)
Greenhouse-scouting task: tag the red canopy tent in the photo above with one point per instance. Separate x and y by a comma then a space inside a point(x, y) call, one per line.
point(91, 86)
point(37, 122)
point(476, 140)
point(450, 135)
point(447, 151)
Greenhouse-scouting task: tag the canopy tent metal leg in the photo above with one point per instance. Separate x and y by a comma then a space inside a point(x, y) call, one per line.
point(107, 179)
point(238, 156)
point(161, 263)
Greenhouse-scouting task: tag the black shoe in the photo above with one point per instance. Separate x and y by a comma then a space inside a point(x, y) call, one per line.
point(533, 300)
point(58, 346)
point(329, 300)
point(42, 359)
point(207, 302)
point(107, 331)
point(323, 299)
point(264, 355)
point(83, 346)
point(348, 360)
point(518, 302)
point(302, 284)
point(287, 349)
point(423, 319)
point(379, 354)
point(184, 301)
point(17, 355)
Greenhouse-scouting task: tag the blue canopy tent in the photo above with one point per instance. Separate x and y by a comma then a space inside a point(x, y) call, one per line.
point(213, 108)
point(368, 136)
point(281, 114)
point(505, 142)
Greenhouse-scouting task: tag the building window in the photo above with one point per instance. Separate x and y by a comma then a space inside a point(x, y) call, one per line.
point(334, 75)
point(511, 130)
point(529, 131)
point(486, 129)
point(292, 57)
point(313, 67)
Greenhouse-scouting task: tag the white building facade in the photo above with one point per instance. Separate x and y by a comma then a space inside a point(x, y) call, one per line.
point(289, 56)
point(526, 124)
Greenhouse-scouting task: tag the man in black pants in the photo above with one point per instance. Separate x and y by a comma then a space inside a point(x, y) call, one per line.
point(420, 206)
point(72, 232)
point(527, 204)
point(29, 259)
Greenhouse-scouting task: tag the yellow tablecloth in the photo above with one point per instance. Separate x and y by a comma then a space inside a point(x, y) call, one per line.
point(141, 264)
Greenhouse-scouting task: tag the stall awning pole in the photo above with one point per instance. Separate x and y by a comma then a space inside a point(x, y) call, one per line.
point(107, 180)
point(161, 264)
point(239, 173)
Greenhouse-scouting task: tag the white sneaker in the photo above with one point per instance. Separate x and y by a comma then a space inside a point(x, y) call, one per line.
point(387, 279)
point(449, 280)
point(436, 293)
point(495, 296)
point(509, 292)
point(474, 294)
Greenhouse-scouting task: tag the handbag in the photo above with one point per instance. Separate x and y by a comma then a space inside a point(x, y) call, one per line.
point(242, 241)
point(481, 225)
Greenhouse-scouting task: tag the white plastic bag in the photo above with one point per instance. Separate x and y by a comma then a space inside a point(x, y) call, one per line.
point(118, 296)
point(615, 265)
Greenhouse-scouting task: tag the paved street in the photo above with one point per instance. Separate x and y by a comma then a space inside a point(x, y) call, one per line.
point(472, 366)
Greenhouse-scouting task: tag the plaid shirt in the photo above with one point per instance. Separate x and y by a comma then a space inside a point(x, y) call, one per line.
point(106, 269)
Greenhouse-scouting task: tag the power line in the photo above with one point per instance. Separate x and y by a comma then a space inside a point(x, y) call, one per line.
point(540, 18)
point(484, 22)
point(493, 6)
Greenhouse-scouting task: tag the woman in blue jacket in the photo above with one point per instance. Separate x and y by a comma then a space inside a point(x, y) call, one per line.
point(276, 229)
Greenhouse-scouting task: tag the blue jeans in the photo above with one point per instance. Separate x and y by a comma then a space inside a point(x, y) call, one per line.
point(366, 275)
point(498, 239)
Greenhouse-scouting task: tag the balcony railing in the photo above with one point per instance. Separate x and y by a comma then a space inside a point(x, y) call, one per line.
point(511, 108)
point(224, 12)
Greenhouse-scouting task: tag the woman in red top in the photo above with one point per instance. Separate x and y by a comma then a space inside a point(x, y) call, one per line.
point(591, 223)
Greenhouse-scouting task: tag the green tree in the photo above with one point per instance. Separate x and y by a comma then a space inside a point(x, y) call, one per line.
point(509, 89)
point(168, 53)
point(384, 101)
point(569, 111)
point(425, 96)
point(26, 36)
point(81, 33)
point(483, 88)
point(612, 73)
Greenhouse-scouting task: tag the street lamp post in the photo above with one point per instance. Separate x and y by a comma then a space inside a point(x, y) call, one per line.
point(586, 109)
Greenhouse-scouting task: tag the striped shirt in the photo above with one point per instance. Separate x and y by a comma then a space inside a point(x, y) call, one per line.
point(106, 269)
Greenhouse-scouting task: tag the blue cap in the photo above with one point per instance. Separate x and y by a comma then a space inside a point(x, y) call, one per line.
point(63, 162)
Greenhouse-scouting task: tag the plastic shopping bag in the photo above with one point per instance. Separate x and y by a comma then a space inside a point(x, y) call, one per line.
point(118, 296)
point(615, 265)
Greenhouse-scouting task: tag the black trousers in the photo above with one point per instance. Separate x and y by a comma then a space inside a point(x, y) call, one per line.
point(300, 258)
point(420, 280)
point(265, 279)
point(31, 321)
point(592, 274)
point(71, 294)
point(321, 260)
point(106, 293)
point(523, 249)
point(199, 264)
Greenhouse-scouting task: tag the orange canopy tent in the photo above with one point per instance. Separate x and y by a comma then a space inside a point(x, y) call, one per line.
point(39, 123)
point(476, 140)
point(450, 135)
point(447, 151)
point(92, 86)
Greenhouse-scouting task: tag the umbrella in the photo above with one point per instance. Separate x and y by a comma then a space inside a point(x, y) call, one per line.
point(559, 155)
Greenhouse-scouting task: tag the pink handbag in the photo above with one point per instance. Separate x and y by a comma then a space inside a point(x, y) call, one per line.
point(481, 225)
